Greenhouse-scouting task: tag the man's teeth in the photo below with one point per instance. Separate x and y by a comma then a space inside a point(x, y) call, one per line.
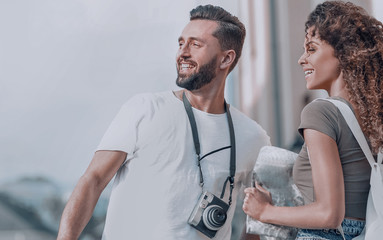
point(308, 72)
point(184, 65)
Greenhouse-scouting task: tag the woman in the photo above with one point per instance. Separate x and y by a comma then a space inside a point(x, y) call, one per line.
point(343, 52)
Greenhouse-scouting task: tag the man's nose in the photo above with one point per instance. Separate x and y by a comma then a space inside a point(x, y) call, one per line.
point(184, 51)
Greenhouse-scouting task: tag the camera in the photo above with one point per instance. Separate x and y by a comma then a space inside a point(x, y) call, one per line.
point(209, 215)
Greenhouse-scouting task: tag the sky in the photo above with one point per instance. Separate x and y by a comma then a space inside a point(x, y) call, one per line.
point(66, 67)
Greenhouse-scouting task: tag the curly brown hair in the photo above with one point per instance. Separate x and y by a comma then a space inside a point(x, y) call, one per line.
point(357, 39)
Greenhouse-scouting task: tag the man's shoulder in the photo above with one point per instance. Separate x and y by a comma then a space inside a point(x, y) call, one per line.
point(248, 126)
point(242, 119)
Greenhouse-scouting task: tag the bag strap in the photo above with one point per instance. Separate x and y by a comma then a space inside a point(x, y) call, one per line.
point(352, 122)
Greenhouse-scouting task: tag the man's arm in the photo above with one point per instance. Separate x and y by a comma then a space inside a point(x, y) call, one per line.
point(82, 202)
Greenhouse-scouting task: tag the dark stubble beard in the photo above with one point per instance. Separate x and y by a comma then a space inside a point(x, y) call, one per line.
point(199, 79)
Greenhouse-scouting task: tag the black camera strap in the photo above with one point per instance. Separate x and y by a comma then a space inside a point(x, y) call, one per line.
point(193, 125)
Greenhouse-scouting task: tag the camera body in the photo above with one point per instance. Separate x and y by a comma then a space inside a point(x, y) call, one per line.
point(209, 214)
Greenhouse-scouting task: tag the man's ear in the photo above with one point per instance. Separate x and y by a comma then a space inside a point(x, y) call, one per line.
point(227, 59)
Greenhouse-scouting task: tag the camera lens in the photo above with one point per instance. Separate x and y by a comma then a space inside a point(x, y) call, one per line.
point(214, 217)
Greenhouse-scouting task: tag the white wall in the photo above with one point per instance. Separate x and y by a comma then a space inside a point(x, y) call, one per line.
point(377, 9)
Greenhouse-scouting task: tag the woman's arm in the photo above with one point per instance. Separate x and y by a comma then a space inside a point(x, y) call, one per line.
point(329, 207)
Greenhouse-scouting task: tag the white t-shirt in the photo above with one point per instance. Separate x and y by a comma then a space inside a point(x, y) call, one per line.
point(157, 188)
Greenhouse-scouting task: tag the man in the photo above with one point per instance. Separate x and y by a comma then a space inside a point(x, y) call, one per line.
point(151, 145)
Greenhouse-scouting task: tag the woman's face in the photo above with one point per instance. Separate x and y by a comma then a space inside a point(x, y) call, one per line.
point(319, 64)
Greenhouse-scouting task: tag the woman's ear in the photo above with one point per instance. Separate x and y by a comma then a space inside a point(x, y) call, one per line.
point(227, 59)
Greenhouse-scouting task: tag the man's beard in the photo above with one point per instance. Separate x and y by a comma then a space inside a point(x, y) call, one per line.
point(199, 79)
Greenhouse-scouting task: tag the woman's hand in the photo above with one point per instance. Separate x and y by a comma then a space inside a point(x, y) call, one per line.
point(256, 201)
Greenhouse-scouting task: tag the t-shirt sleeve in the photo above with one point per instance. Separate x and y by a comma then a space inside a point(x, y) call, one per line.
point(321, 116)
point(122, 132)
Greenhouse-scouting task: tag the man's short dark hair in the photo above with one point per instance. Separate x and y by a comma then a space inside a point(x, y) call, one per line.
point(230, 31)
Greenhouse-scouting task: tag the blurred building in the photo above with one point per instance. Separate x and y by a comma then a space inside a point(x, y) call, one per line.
point(269, 83)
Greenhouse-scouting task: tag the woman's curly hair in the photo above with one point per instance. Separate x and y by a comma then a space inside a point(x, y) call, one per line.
point(357, 39)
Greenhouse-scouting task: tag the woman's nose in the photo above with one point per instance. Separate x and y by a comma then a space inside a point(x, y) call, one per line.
point(302, 59)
